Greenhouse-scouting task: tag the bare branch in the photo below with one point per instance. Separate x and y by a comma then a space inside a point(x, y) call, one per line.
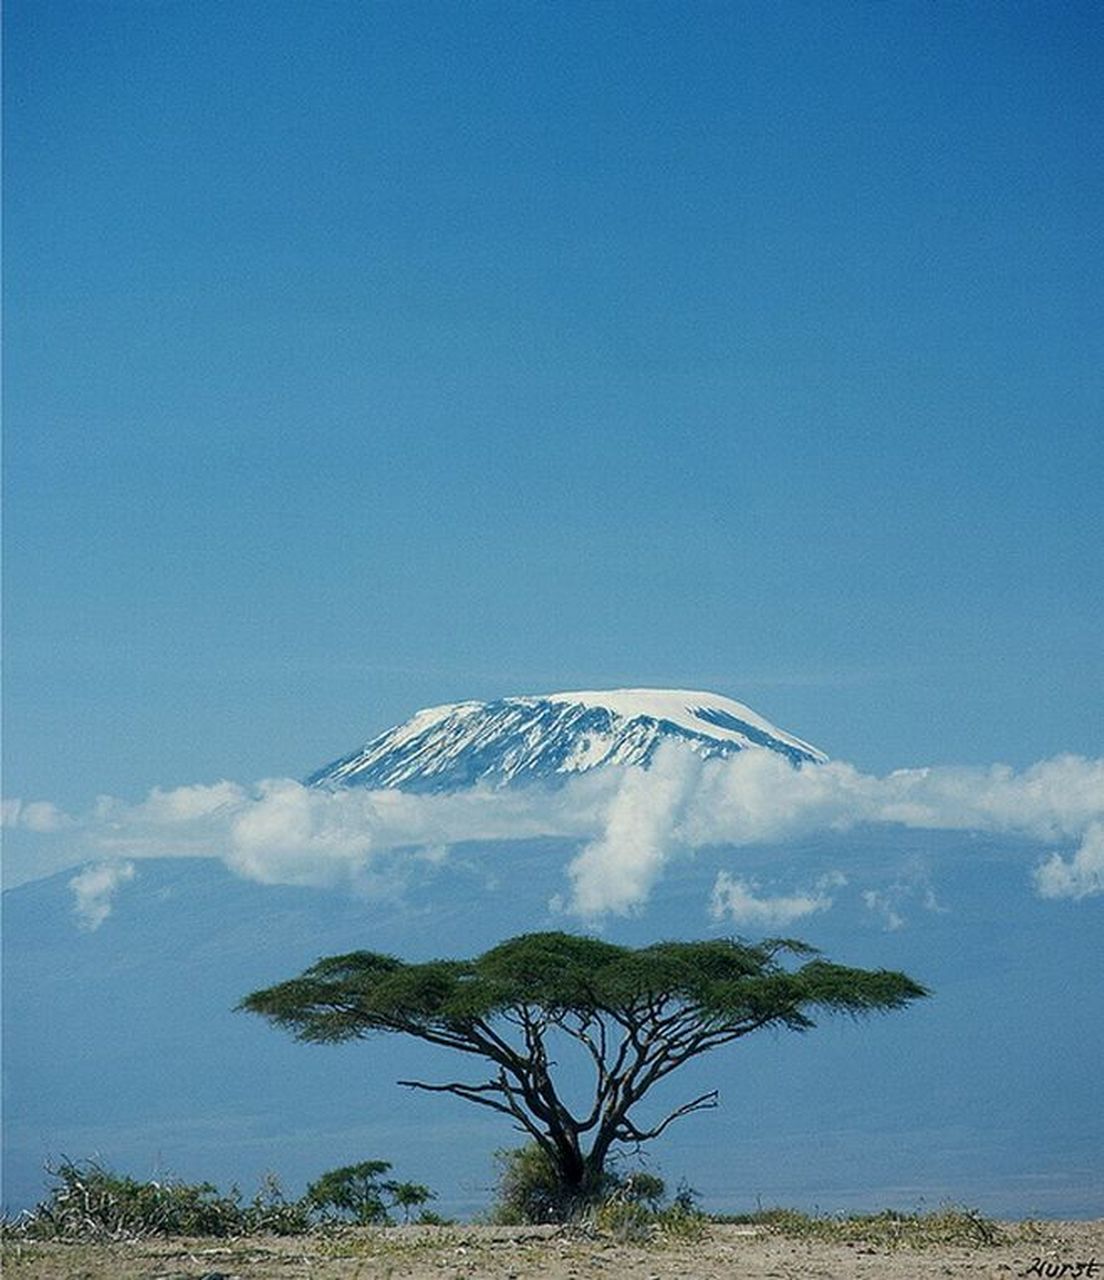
point(581, 1033)
point(472, 1093)
point(628, 1132)
point(477, 1094)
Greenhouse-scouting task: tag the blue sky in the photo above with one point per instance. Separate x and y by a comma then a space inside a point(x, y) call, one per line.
point(367, 356)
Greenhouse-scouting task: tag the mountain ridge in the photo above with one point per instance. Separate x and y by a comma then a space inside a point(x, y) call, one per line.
point(551, 736)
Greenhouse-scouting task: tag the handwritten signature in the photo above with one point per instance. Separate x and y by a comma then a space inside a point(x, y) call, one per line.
point(1064, 1270)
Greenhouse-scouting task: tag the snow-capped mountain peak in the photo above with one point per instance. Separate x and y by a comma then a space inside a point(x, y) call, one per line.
point(554, 735)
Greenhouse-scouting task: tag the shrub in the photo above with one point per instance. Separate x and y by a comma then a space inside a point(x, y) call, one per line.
point(89, 1202)
point(628, 1206)
point(272, 1213)
point(528, 1189)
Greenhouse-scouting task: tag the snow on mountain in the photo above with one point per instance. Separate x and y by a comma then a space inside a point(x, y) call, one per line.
point(554, 735)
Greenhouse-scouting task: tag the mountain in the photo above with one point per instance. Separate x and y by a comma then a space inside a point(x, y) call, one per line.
point(551, 736)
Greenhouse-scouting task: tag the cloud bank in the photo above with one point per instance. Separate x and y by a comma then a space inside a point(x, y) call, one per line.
point(630, 824)
point(756, 796)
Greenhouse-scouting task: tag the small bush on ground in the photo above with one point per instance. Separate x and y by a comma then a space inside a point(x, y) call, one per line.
point(90, 1203)
point(629, 1207)
point(272, 1213)
point(528, 1189)
point(630, 1223)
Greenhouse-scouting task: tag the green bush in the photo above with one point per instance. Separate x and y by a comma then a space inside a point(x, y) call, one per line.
point(90, 1203)
point(527, 1189)
point(633, 1212)
point(628, 1206)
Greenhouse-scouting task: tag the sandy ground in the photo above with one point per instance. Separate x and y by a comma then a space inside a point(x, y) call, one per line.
point(1058, 1250)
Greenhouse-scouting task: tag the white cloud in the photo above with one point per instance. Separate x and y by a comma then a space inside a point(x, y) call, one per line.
point(631, 823)
point(1079, 876)
point(35, 815)
point(742, 903)
point(884, 903)
point(186, 804)
point(95, 887)
point(616, 871)
point(757, 796)
point(282, 832)
point(291, 835)
point(1052, 800)
point(911, 889)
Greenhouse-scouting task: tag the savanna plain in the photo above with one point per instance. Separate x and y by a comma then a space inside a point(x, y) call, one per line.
point(781, 1246)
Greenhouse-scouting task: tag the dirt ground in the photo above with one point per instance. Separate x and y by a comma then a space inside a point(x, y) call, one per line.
point(1057, 1250)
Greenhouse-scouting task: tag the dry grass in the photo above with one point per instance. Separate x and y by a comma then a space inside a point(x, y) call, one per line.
point(950, 1225)
point(778, 1244)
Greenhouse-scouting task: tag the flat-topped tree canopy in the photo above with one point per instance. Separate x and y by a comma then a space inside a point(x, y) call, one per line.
point(636, 1013)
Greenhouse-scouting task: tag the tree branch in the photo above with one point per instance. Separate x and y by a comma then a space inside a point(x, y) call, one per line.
point(628, 1132)
point(476, 1093)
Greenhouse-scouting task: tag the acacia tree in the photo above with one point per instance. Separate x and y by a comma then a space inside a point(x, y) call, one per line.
point(636, 1015)
point(357, 1190)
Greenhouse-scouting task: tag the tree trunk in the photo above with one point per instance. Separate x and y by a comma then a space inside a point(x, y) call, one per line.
point(581, 1183)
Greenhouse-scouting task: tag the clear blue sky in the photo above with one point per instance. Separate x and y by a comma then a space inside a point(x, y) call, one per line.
point(362, 356)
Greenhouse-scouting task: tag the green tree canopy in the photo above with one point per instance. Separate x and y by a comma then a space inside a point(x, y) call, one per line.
point(636, 1014)
point(362, 1192)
